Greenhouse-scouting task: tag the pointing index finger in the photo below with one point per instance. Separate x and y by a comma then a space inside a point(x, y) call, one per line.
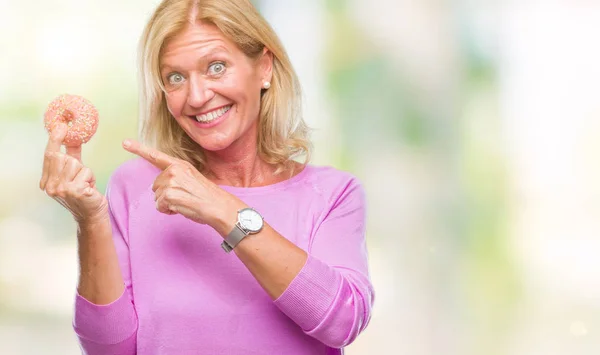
point(153, 156)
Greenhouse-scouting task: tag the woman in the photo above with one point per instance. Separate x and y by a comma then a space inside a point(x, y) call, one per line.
point(220, 102)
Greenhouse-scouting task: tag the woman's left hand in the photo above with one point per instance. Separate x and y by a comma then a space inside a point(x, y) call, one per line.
point(181, 189)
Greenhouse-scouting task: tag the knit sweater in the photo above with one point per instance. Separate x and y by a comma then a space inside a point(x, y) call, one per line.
point(185, 295)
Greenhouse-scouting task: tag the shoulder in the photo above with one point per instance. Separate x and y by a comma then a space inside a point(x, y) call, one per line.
point(132, 178)
point(334, 185)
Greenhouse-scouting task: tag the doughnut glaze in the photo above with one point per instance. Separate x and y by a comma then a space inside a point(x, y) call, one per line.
point(80, 116)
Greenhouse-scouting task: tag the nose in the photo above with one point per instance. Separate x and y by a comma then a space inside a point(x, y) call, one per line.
point(199, 92)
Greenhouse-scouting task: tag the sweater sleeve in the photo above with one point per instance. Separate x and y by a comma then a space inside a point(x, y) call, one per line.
point(332, 296)
point(111, 328)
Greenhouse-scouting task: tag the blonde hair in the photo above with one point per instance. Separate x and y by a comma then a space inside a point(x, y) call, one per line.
point(282, 132)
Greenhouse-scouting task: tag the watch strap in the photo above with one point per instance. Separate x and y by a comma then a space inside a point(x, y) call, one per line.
point(233, 238)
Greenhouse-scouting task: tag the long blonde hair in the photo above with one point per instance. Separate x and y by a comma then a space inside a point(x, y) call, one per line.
point(282, 132)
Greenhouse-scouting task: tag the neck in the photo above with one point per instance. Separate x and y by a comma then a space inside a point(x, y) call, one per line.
point(246, 172)
point(238, 165)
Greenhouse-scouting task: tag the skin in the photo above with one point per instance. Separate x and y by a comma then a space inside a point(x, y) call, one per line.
point(65, 179)
point(202, 71)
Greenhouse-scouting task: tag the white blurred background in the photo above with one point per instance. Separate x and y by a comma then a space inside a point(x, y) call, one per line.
point(474, 125)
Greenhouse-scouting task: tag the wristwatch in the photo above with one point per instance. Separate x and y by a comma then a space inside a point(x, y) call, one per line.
point(248, 222)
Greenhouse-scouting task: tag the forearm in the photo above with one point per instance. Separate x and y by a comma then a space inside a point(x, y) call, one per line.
point(105, 320)
point(327, 292)
point(100, 278)
point(273, 260)
point(329, 304)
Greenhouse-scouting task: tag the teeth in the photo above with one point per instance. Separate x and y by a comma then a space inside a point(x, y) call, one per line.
point(207, 117)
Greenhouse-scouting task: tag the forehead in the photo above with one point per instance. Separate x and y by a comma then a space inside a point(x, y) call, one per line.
point(200, 38)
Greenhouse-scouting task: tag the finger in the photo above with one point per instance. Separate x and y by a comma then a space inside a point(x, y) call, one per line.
point(76, 189)
point(83, 188)
point(74, 152)
point(158, 193)
point(157, 184)
point(85, 175)
point(56, 164)
point(162, 205)
point(45, 170)
point(164, 202)
point(153, 156)
point(161, 180)
point(57, 135)
point(70, 170)
point(90, 190)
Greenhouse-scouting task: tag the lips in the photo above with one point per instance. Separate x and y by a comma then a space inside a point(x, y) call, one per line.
point(212, 118)
point(212, 115)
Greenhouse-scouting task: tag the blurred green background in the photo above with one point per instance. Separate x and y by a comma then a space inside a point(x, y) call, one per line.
point(474, 126)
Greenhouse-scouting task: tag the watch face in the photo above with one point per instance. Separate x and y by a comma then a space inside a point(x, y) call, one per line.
point(251, 220)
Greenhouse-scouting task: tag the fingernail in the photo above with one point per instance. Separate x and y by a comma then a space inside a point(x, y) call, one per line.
point(126, 143)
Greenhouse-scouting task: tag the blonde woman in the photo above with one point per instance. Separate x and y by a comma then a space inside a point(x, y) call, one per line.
point(215, 240)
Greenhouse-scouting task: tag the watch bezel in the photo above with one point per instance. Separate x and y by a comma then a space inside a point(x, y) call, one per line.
point(254, 213)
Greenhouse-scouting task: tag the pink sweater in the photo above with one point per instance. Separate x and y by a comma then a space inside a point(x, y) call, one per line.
point(185, 295)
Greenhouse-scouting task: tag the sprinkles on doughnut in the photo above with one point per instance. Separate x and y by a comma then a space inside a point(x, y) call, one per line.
point(80, 116)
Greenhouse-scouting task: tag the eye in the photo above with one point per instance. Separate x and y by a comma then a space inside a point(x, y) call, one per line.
point(216, 68)
point(175, 78)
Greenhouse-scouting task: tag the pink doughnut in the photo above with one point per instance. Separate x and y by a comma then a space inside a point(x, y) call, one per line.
point(77, 113)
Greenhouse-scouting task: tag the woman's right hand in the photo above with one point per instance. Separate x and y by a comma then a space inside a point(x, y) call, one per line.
point(65, 179)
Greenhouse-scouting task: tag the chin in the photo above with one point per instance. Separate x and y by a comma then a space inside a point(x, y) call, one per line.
point(214, 144)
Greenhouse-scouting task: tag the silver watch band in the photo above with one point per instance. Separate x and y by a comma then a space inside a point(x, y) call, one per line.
point(233, 238)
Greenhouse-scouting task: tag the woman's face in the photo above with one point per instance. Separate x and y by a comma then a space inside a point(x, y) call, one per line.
point(212, 88)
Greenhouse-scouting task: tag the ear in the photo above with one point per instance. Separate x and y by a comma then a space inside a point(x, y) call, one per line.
point(265, 65)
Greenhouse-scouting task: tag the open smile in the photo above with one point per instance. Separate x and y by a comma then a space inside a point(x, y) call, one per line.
point(213, 117)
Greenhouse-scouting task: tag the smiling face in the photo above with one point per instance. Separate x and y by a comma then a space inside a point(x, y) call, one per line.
point(212, 88)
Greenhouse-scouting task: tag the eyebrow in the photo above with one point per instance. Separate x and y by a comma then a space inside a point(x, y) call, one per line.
point(212, 51)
